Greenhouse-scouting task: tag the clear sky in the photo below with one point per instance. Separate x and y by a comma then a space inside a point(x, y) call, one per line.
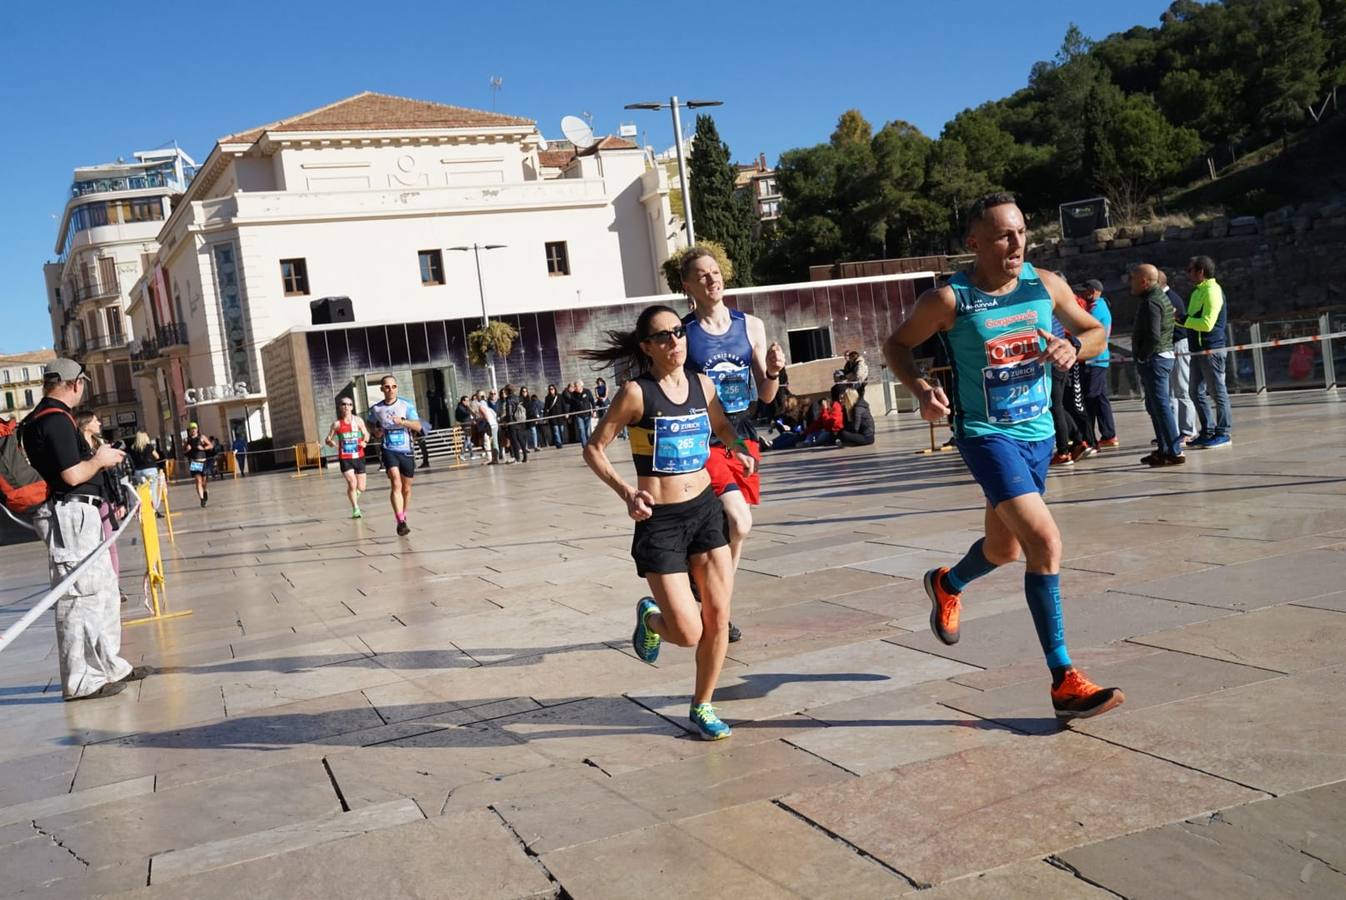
point(83, 83)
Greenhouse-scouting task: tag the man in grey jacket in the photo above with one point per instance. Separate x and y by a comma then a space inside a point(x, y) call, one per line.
point(1152, 343)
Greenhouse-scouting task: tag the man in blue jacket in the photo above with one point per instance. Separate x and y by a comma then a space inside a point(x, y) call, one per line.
point(1097, 406)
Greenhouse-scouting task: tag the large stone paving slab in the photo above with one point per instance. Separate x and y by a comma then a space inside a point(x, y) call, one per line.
point(1254, 585)
point(790, 684)
point(409, 861)
point(1024, 798)
point(782, 847)
point(1036, 879)
point(1289, 847)
point(626, 865)
point(893, 728)
point(1278, 736)
point(1286, 639)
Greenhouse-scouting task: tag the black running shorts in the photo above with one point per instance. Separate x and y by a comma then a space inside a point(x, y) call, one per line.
point(403, 462)
point(353, 465)
point(676, 531)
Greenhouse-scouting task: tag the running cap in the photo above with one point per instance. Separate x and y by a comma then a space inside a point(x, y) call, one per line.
point(1093, 284)
point(65, 369)
point(192, 425)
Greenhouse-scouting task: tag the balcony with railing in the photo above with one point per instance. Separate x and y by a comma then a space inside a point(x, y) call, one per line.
point(139, 182)
point(110, 398)
point(108, 288)
point(105, 342)
point(170, 337)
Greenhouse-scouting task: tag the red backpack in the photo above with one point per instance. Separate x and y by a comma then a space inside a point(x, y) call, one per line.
point(21, 488)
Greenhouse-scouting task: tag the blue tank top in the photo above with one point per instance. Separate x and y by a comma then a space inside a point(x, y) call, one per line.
point(999, 386)
point(726, 359)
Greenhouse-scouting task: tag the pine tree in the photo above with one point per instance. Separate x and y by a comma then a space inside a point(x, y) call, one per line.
point(719, 213)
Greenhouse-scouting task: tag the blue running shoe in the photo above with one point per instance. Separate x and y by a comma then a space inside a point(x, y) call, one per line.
point(643, 640)
point(1216, 441)
point(708, 725)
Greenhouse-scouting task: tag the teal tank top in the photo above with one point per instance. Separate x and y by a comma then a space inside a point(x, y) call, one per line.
point(999, 386)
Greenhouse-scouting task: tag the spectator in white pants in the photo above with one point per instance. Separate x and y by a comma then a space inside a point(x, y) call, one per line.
point(1180, 384)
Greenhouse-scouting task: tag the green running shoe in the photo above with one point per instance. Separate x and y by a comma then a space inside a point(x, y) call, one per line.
point(708, 725)
point(356, 514)
point(643, 640)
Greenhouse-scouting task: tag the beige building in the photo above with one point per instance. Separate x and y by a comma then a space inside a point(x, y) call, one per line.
point(105, 241)
point(21, 382)
point(368, 199)
point(760, 182)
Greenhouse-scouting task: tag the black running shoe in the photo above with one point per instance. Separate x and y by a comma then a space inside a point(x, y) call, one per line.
point(403, 529)
point(734, 634)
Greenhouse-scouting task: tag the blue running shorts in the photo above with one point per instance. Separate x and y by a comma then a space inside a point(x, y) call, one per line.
point(1007, 468)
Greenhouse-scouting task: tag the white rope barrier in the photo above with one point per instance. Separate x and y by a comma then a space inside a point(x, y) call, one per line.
point(55, 593)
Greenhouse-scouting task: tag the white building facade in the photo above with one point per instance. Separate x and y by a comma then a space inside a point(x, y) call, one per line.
point(365, 199)
point(106, 240)
point(21, 382)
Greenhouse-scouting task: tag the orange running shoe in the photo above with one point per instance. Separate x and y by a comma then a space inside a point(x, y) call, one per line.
point(1076, 697)
point(943, 607)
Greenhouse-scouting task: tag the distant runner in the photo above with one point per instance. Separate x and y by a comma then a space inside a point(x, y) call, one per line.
point(349, 434)
point(199, 450)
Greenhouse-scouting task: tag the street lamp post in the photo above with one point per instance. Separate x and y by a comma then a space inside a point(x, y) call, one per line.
point(674, 104)
point(481, 292)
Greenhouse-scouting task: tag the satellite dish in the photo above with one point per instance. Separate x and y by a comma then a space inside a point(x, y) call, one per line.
point(578, 132)
point(542, 143)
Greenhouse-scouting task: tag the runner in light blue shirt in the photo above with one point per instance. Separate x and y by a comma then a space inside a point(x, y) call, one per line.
point(395, 420)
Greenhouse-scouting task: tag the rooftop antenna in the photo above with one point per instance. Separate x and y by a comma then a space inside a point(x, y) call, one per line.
point(497, 82)
point(578, 132)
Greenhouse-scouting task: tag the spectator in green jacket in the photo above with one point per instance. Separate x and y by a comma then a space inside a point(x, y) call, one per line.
point(1207, 318)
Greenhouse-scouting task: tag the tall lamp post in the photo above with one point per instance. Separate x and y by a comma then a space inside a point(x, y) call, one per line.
point(674, 104)
point(481, 292)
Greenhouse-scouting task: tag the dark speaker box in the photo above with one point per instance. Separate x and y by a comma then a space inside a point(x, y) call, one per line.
point(331, 310)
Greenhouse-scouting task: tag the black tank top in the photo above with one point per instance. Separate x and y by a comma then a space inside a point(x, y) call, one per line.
point(671, 438)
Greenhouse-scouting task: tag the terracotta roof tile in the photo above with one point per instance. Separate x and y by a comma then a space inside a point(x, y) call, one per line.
point(557, 159)
point(370, 111)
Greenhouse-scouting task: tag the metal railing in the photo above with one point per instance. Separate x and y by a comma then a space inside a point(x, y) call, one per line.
point(110, 398)
point(94, 290)
point(173, 334)
point(1252, 367)
point(105, 342)
point(144, 350)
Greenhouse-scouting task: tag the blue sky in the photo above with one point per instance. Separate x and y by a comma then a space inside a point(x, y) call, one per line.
point(82, 83)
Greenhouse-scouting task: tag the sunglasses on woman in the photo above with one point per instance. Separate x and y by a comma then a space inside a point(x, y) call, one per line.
point(668, 335)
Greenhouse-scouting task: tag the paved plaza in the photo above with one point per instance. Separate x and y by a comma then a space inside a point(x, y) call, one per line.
point(459, 713)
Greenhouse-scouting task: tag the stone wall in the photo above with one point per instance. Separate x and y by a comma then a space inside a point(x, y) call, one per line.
point(1289, 262)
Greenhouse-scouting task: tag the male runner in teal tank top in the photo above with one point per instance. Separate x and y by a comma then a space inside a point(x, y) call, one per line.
point(995, 321)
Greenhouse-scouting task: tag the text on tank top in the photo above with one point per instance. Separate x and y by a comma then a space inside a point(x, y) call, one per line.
point(349, 443)
point(726, 359)
point(670, 438)
point(1000, 385)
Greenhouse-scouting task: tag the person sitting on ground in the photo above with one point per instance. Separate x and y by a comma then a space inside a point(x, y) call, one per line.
point(859, 428)
point(822, 430)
